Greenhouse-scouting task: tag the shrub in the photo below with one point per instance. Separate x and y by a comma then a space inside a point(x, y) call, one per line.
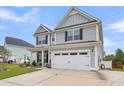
point(22, 65)
point(34, 63)
point(117, 64)
point(28, 64)
point(3, 67)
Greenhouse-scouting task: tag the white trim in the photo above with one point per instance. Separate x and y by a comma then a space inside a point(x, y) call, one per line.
point(78, 10)
point(55, 38)
point(96, 57)
point(78, 26)
point(97, 32)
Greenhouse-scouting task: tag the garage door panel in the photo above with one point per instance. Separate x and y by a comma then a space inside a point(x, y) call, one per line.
point(76, 59)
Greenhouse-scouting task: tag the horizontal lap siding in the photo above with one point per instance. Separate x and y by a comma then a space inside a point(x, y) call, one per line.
point(88, 34)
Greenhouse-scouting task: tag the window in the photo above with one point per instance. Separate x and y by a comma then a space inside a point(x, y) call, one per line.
point(64, 53)
point(73, 35)
point(57, 54)
point(73, 53)
point(83, 53)
point(70, 36)
point(53, 39)
point(77, 34)
point(42, 39)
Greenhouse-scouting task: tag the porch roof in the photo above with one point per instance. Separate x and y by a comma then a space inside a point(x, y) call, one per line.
point(37, 49)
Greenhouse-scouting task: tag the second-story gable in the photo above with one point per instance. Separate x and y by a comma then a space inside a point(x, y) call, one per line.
point(75, 17)
point(76, 26)
point(42, 35)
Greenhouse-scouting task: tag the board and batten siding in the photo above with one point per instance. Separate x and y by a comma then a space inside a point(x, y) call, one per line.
point(88, 34)
point(74, 19)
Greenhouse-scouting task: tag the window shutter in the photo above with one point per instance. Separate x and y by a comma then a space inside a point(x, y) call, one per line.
point(66, 36)
point(81, 33)
point(36, 40)
point(37, 57)
point(46, 39)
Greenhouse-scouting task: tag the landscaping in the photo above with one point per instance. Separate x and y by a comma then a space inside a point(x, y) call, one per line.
point(117, 60)
point(10, 70)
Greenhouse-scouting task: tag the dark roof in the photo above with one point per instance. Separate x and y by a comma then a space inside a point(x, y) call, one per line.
point(17, 42)
point(42, 28)
point(1, 47)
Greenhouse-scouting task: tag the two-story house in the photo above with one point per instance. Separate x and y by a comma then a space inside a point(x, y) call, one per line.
point(75, 43)
point(18, 49)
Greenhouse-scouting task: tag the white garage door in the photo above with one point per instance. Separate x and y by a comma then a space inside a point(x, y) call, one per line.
point(73, 59)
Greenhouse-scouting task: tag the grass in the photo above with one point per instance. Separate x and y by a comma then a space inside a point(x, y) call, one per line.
point(118, 69)
point(14, 70)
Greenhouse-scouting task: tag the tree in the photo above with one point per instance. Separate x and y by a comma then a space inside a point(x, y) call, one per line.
point(119, 53)
point(108, 57)
point(119, 56)
point(5, 54)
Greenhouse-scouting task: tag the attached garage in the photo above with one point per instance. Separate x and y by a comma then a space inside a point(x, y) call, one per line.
point(71, 59)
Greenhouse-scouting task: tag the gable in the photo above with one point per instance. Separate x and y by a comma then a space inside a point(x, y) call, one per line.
point(42, 29)
point(75, 17)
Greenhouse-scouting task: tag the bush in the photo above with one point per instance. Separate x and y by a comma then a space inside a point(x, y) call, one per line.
point(3, 67)
point(22, 65)
point(28, 64)
point(34, 63)
point(117, 64)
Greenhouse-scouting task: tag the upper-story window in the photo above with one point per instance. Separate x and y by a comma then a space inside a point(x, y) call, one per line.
point(74, 35)
point(42, 39)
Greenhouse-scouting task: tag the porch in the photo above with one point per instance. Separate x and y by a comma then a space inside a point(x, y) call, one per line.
point(43, 56)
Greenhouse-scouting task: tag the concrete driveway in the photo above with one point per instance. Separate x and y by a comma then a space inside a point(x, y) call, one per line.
point(52, 77)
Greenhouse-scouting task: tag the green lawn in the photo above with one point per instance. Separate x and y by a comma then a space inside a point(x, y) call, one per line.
point(117, 69)
point(14, 70)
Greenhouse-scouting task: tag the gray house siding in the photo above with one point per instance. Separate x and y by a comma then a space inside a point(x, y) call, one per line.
point(60, 37)
point(92, 58)
point(74, 19)
point(89, 34)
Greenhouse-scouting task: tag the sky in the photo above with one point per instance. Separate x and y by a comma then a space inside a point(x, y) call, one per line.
point(21, 22)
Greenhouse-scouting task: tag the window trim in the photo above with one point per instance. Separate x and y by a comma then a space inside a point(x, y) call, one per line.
point(73, 30)
point(43, 39)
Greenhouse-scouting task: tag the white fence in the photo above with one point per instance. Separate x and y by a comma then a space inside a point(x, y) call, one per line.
point(107, 64)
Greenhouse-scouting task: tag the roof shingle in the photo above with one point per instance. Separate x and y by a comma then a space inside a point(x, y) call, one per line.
point(17, 42)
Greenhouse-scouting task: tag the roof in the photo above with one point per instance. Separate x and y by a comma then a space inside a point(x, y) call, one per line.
point(92, 18)
point(42, 28)
point(17, 42)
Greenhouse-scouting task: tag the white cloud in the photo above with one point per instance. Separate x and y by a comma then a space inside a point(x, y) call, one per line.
point(10, 15)
point(116, 26)
point(110, 43)
point(2, 27)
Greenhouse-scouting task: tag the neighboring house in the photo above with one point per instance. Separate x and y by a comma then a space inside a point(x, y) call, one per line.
point(1, 48)
point(18, 49)
point(75, 43)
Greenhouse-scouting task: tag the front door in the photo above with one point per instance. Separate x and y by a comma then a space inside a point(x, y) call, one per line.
point(39, 58)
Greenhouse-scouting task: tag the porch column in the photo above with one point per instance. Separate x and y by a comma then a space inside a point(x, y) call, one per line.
point(42, 58)
point(96, 57)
